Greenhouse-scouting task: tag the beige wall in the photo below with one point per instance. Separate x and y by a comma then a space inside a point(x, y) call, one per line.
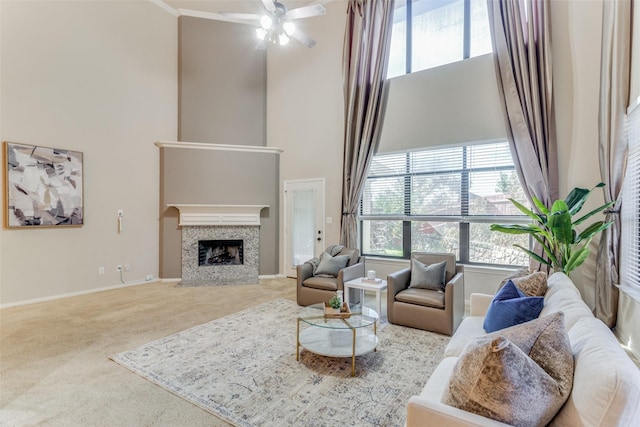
point(99, 77)
point(305, 109)
point(222, 83)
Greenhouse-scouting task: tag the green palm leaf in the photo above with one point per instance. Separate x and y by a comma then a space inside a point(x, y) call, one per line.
point(564, 248)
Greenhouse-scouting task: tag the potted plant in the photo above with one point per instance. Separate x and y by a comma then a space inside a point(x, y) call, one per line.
point(555, 229)
point(335, 303)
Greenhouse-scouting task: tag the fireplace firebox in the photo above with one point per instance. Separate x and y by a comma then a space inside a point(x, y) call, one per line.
point(220, 252)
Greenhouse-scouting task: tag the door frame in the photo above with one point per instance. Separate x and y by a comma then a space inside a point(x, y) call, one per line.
point(321, 211)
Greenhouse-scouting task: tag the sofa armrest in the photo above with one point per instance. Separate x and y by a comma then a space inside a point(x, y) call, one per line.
point(479, 304)
point(423, 411)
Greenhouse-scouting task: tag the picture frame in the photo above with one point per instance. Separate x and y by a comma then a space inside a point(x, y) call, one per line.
point(43, 186)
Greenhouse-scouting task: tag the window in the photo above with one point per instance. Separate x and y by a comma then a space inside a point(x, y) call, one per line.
point(443, 200)
point(429, 33)
point(630, 215)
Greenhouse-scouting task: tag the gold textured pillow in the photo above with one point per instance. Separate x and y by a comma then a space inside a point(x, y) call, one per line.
point(524, 271)
point(520, 375)
point(531, 284)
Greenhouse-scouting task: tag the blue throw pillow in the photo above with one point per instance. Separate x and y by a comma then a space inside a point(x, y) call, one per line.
point(511, 307)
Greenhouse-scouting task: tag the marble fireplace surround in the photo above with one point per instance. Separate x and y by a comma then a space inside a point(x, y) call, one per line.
point(219, 222)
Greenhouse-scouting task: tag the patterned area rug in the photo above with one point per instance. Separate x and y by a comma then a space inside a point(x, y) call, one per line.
point(243, 369)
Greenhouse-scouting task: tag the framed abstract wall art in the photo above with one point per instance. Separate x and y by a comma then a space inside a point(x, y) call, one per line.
point(44, 186)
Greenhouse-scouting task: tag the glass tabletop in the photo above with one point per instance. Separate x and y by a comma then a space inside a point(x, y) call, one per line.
point(360, 317)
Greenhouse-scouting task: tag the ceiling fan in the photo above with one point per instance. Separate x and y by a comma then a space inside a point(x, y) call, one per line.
point(276, 24)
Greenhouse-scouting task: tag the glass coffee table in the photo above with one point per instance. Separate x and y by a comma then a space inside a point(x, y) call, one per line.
point(337, 337)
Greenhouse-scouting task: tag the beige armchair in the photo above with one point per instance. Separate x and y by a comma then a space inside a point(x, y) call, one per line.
point(312, 289)
point(427, 309)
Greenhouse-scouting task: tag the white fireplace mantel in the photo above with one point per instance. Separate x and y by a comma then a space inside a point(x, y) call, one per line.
point(194, 214)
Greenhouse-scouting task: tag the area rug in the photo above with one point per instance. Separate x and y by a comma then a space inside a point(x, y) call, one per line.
point(243, 369)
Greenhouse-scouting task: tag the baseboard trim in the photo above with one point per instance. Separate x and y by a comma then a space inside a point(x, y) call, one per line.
point(271, 276)
point(74, 294)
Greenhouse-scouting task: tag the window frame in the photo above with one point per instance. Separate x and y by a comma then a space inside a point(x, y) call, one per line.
point(464, 220)
point(466, 35)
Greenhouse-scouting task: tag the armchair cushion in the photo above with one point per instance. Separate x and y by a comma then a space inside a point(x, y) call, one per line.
point(423, 297)
point(323, 283)
point(511, 307)
point(331, 265)
point(424, 276)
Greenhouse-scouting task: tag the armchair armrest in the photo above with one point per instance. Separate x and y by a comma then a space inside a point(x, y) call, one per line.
point(398, 281)
point(458, 278)
point(304, 271)
point(349, 273)
point(479, 304)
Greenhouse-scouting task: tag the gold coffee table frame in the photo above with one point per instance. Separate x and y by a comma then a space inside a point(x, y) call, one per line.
point(323, 336)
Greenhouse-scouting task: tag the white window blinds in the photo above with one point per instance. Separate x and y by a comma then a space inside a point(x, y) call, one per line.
point(630, 215)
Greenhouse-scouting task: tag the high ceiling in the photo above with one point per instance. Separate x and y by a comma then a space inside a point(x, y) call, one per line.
point(216, 6)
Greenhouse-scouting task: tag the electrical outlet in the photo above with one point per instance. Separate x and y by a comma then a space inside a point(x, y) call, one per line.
point(149, 277)
point(100, 270)
point(118, 267)
point(127, 267)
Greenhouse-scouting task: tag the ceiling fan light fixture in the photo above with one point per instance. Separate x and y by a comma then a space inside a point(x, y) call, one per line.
point(283, 39)
point(261, 33)
point(289, 28)
point(266, 22)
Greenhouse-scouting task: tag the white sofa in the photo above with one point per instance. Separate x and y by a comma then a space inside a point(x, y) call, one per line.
point(606, 386)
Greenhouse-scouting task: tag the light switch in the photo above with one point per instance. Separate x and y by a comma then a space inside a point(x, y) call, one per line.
point(329, 220)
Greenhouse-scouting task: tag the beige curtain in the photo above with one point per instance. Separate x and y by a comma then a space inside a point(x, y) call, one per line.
point(522, 54)
point(613, 147)
point(367, 41)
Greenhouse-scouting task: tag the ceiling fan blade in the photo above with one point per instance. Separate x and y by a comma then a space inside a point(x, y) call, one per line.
point(269, 5)
point(303, 38)
point(306, 11)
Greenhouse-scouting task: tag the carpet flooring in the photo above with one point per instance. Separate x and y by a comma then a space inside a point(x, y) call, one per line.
point(242, 368)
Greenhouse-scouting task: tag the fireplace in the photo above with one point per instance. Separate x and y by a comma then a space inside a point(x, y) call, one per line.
point(220, 244)
point(220, 252)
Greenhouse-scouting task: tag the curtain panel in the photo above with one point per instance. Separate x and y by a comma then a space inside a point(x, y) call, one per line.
point(613, 147)
point(522, 56)
point(367, 41)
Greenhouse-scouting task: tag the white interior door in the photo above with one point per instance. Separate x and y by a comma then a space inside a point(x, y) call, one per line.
point(304, 222)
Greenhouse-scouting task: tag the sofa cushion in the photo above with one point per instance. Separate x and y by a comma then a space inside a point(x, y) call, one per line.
point(569, 303)
point(520, 376)
point(331, 265)
point(607, 383)
point(319, 282)
point(470, 327)
point(424, 297)
point(559, 281)
point(511, 307)
point(425, 276)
